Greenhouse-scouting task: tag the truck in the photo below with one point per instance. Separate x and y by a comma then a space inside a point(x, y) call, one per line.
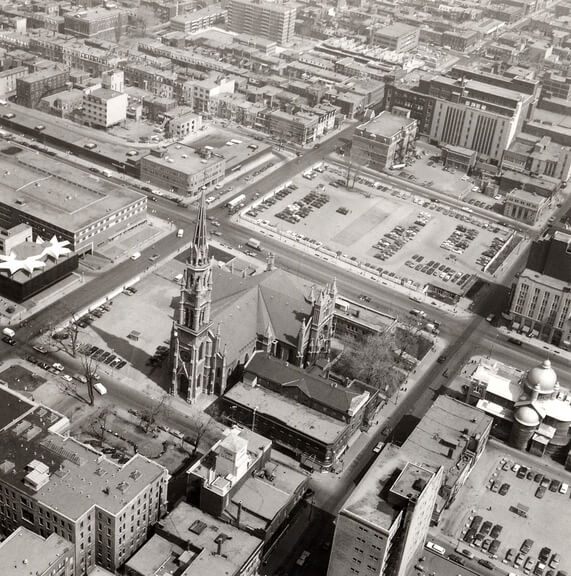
point(106, 172)
point(253, 243)
point(235, 202)
point(9, 332)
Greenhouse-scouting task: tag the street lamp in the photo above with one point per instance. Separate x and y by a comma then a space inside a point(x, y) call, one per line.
point(254, 418)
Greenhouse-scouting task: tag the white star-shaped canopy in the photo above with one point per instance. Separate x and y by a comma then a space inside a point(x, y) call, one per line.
point(56, 248)
point(12, 263)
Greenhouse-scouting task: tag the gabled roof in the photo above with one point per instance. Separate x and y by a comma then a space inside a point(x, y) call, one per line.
point(319, 389)
point(246, 307)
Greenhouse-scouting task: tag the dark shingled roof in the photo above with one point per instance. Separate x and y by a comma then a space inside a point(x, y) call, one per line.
point(316, 388)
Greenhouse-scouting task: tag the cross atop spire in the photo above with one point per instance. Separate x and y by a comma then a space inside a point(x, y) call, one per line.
point(199, 247)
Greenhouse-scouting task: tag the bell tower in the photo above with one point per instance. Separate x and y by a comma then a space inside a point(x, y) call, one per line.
point(193, 347)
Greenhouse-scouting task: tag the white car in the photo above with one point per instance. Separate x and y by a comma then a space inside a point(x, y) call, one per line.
point(67, 377)
point(59, 367)
point(100, 388)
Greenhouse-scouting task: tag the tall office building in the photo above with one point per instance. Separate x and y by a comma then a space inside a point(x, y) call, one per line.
point(271, 20)
point(541, 294)
point(385, 521)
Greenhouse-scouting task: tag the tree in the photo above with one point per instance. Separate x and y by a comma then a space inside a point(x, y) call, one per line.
point(144, 20)
point(99, 424)
point(372, 360)
point(89, 372)
point(151, 413)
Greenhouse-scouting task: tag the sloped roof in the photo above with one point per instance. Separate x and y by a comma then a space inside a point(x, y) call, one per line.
point(322, 391)
point(245, 307)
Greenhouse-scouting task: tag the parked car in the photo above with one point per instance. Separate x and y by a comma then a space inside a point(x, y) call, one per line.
point(510, 555)
point(486, 527)
point(554, 485)
point(544, 554)
point(526, 546)
point(494, 547)
point(496, 530)
point(485, 563)
point(540, 492)
point(504, 489)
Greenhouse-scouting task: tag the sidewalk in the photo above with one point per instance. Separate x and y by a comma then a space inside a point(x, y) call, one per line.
point(538, 344)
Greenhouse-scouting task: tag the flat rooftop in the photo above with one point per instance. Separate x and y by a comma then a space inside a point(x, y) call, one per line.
point(297, 416)
point(38, 553)
point(396, 30)
point(387, 124)
point(63, 195)
point(79, 476)
point(12, 407)
point(368, 500)
point(182, 158)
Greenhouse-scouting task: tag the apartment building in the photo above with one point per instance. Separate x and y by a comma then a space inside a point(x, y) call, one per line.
point(53, 484)
point(384, 523)
point(398, 37)
point(100, 23)
point(181, 170)
point(272, 20)
point(192, 22)
point(25, 552)
point(541, 293)
point(181, 121)
point(8, 79)
point(103, 107)
point(32, 88)
point(200, 94)
point(384, 141)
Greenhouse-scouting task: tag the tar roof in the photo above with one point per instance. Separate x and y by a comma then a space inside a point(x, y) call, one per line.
point(56, 192)
point(12, 407)
point(294, 415)
point(387, 124)
point(183, 158)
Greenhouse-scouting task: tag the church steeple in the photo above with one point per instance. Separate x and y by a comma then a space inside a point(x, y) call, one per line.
point(198, 256)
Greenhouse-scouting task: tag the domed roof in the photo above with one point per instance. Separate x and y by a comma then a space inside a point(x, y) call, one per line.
point(526, 416)
point(542, 378)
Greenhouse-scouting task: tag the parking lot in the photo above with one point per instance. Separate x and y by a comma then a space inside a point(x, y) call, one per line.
point(380, 228)
point(498, 508)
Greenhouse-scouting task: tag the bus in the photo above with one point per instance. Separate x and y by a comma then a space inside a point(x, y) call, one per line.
point(436, 548)
point(231, 204)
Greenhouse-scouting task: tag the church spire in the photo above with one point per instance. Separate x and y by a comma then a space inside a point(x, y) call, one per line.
point(199, 248)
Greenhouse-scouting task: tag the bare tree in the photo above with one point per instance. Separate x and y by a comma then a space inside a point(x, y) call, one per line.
point(200, 429)
point(150, 414)
point(89, 372)
point(98, 424)
point(73, 331)
point(372, 360)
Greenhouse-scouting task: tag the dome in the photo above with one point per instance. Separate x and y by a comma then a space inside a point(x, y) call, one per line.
point(526, 416)
point(542, 378)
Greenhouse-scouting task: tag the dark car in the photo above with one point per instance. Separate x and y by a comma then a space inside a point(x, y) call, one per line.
point(469, 536)
point(554, 485)
point(504, 489)
point(485, 563)
point(538, 477)
point(476, 523)
point(9, 340)
point(526, 546)
point(540, 492)
point(521, 472)
point(441, 359)
point(486, 527)
point(494, 546)
point(496, 530)
point(457, 559)
point(544, 554)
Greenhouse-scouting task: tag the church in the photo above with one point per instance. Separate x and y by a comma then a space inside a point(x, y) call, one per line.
point(222, 319)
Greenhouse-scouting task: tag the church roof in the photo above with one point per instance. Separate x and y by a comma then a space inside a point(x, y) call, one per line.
point(246, 307)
